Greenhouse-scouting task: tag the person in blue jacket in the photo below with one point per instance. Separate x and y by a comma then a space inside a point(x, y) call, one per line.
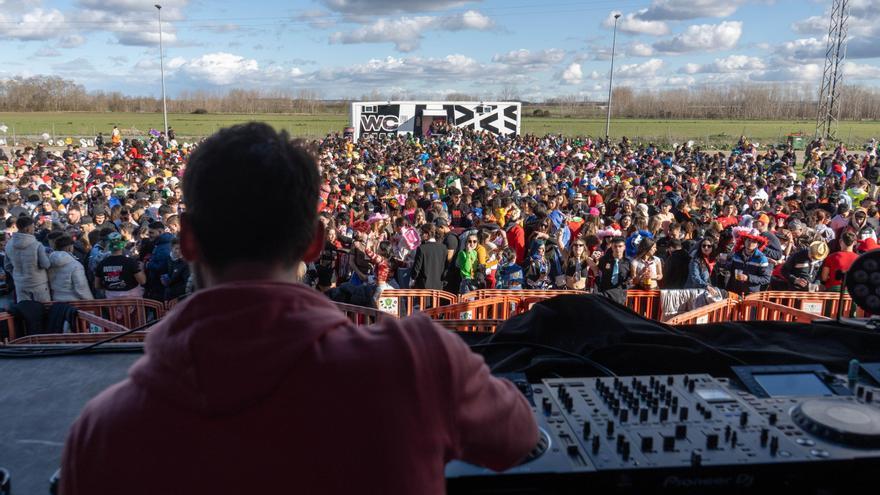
point(750, 271)
point(158, 263)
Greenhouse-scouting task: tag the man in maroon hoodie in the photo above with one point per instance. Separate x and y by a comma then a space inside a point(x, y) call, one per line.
point(256, 384)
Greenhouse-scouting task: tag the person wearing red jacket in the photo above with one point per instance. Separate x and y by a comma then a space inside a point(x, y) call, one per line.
point(258, 384)
point(516, 235)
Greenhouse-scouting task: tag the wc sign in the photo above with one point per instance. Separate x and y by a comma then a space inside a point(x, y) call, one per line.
point(379, 123)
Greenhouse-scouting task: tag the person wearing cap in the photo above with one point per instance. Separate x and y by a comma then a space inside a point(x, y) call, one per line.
point(120, 276)
point(749, 269)
point(28, 262)
point(773, 249)
point(67, 276)
point(802, 269)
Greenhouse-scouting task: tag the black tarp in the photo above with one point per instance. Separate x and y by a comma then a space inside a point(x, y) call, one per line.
point(628, 344)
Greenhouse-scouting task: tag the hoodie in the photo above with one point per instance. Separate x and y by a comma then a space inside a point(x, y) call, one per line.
point(67, 278)
point(27, 260)
point(265, 387)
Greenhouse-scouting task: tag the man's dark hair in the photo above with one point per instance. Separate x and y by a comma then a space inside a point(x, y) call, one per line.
point(22, 223)
point(848, 238)
point(256, 164)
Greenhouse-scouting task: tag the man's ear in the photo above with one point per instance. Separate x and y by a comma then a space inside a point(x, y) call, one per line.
point(316, 246)
point(189, 245)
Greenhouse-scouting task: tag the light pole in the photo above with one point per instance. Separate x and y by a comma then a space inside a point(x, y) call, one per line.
point(611, 79)
point(162, 70)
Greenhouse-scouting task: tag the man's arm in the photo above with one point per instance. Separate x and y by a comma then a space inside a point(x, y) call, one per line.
point(492, 422)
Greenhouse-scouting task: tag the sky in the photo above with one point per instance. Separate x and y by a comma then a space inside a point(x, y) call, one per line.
point(529, 49)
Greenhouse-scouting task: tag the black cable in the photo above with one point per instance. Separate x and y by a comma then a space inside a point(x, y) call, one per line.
point(29, 353)
point(678, 333)
point(558, 350)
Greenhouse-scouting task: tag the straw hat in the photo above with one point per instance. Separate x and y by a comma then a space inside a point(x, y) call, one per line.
point(818, 250)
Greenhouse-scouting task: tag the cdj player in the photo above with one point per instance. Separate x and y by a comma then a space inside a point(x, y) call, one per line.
point(790, 428)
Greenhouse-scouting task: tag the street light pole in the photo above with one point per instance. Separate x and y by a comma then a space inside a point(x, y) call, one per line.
point(611, 80)
point(162, 69)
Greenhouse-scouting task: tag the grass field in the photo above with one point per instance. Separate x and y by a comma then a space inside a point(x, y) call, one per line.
point(718, 133)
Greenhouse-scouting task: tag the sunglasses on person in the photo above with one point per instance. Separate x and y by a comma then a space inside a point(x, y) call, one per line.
point(472, 241)
point(704, 246)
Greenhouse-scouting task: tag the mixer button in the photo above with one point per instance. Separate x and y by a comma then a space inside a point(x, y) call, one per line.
point(596, 443)
point(643, 415)
point(668, 444)
point(743, 418)
point(587, 428)
point(774, 445)
point(648, 444)
point(664, 414)
point(765, 433)
point(681, 431)
point(869, 396)
point(696, 458)
point(610, 429)
point(683, 414)
point(772, 419)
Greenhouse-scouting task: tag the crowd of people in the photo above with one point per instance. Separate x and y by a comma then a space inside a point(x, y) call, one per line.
point(459, 210)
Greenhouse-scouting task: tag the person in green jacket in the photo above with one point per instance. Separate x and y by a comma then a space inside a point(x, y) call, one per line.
point(467, 259)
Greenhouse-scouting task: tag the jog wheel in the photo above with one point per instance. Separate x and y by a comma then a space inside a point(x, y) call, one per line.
point(541, 447)
point(847, 423)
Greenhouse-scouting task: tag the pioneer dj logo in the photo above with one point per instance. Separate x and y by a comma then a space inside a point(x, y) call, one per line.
point(741, 481)
point(379, 123)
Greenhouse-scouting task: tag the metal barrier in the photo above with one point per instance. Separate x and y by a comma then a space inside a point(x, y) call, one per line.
point(725, 310)
point(129, 313)
point(490, 308)
point(84, 322)
point(404, 302)
point(816, 303)
point(522, 294)
point(484, 326)
point(360, 315)
point(758, 310)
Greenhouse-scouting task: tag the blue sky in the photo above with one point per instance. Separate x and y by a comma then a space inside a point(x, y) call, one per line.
point(534, 49)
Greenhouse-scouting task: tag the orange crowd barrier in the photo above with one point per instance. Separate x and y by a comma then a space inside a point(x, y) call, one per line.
point(404, 302)
point(484, 326)
point(759, 310)
point(490, 308)
point(817, 303)
point(360, 315)
point(130, 312)
point(724, 310)
point(77, 338)
point(84, 324)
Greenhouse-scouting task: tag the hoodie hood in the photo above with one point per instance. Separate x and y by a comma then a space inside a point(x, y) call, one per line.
point(227, 348)
point(20, 240)
point(61, 258)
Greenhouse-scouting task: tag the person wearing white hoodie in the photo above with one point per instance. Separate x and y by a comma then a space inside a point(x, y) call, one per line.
point(28, 261)
point(67, 276)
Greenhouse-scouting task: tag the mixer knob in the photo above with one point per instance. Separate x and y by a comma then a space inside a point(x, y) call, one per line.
point(610, 429)
point(668, 395)
point(675, 402)
point(685, 380)
point(596, 443)
point(733, 439)
point(647, 444)
point(743, 418)
point(727, 433)
point(572, 450)
point(696, 458)
point(664, 414)
point(624, 415)
point(620, 439)
point(560, 392)
point(624, 450)
point(712, 441)
point(548, 406)
point(764, 434)
point(707, 413)
point(668, 444)
point(772, 419)
point(670, 380)
point(774, 445)
point(860, 391)
point(683, 414)
point(869, 396)
point(681, 431)
point(691, 385)
point(652, 381)
point(587, 428)
point(643, 415)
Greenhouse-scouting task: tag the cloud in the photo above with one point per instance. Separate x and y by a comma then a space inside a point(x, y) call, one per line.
point(380, 7)
point(801, 73)
point(407, 32)
point(573, 74)
point(646, 69)
point(639, 50)
point(703, 37)
point(37, 24)
point(733, 63)
point(132, 22)
point(219, 68)
point(526, 59)
point(801, 49)
point(632, 24)
point(47, 52)
point(72, 41)
point(681, 10)
point(852, 70)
